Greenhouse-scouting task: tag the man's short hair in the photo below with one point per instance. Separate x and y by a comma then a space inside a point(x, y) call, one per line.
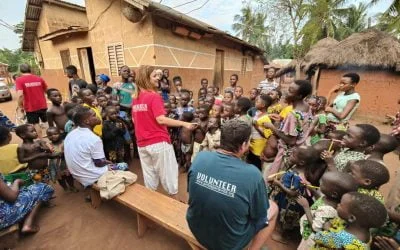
point(71, 69)
point(80, 115)
point(234, 133)
point(235, 75)
point(25, 68)
point(355, 78)
point(305, 88)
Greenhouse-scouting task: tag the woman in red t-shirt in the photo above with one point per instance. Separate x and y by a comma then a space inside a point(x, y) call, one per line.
point(156, 153)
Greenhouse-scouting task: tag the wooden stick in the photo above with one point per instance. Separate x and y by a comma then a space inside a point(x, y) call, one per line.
point(277, 174)
point(330, 146)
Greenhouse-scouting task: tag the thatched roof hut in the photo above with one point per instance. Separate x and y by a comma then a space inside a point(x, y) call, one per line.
point(313, 57)
point(370, 49)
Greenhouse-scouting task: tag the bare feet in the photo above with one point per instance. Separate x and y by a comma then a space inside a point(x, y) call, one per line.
point(30, 229)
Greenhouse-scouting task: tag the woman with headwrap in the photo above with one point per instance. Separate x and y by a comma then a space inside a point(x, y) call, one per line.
point(101, 81)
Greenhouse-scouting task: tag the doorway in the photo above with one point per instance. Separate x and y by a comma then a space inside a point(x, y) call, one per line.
point(87, 64)
point(219, 69)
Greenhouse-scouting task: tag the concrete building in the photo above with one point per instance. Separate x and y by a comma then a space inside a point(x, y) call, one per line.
point(107, 34)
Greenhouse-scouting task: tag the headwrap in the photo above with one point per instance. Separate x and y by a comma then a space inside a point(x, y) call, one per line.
point(104, 78)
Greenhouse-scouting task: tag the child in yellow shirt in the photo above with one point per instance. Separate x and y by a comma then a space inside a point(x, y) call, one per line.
point(260, 134)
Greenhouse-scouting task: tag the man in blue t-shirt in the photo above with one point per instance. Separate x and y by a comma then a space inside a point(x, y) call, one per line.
point(228, 200)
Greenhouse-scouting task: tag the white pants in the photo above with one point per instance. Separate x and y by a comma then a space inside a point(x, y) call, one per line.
point(159, 163)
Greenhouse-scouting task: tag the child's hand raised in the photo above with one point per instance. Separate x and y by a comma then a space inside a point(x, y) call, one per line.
point(386, 243)
point(327, 155)
point(302, 201)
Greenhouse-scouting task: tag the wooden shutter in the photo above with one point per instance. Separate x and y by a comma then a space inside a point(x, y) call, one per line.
point(244, 66)
point(65, 58)
point(115, 58)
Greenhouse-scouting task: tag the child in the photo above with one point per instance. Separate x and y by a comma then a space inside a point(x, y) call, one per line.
point(357, 139)
point(77, 100)
point(186, 137)
point(56, 114)
point(177, 80)
point(102, 101)
point(88, 101)
point(385, 145)
point(213, 137)
point(204, 83)
point(70, 111)
point(210, 90)
point(58, 167)
point(296, 124)
point(238, 92)
point(202, 93)
point(361, 213)
point(259, 134)
point(216, 111)
point(34, 152)
point(113, 136)
point(292, 184)
point(9, 159)
point(6, 122)
point(210, 100)
point(201, 102)
point(198, 139)
point(218, 98)
point(319, 126)
point(370, 176)
point(253, 96)
point(242, 105)
point(203, 118)
point(172, 99)
point(275, 107)
point(333, 186)
point(228, 97)
point(185, 98)
point(228, 112)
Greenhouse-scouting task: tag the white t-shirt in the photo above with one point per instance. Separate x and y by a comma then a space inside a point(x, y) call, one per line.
point(265, 86)
point(81, 147)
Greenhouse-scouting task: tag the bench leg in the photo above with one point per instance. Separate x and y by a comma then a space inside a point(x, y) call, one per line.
point(142, 223)
point(95, 198)
point(193, 246)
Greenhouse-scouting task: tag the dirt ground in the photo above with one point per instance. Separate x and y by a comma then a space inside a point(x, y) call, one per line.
point(74, 224)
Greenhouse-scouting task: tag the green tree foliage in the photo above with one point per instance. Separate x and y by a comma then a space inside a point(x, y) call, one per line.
point(390, 19)
point(250, 26)
point(16, 57)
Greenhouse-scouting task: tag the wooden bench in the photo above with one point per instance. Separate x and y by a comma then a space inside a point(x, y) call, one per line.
point(9, 237)
point(150, 205)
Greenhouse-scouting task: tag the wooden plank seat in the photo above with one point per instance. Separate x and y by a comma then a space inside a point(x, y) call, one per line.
point(9, 237)
point(150, 205)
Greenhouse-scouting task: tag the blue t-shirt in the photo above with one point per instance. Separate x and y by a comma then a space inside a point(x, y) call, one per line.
point(227, 201)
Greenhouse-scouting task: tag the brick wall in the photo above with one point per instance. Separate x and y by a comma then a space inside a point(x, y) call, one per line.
point(379, 91)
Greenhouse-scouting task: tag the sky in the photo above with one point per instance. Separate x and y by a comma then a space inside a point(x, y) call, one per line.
point(218, 13)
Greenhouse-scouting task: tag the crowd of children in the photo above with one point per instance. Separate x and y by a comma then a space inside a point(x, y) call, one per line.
point(325, 181)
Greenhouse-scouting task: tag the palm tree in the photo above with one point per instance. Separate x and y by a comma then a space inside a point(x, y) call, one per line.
point(243, 23)
point(355, 20)
point(251, 27)
point(390, 19)
point(324, 19)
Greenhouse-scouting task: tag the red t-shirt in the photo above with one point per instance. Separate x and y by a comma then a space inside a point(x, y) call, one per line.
point(33, 88)
point(145, 109)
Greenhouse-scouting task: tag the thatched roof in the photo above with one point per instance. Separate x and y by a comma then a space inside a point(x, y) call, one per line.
point(368, 49)
point(314, 56)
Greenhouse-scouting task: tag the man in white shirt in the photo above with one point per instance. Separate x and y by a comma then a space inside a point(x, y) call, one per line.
point(269, 83)
point(83, 149)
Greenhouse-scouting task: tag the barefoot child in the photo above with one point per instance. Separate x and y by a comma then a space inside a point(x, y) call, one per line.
point(242, 105)
point(259, 134)
point(333, 186)
point(58, 167)
point(238, 92)
point(34, 152)
point(319, 127)
point(56, 115)
point(186, 136)
point(361, 213)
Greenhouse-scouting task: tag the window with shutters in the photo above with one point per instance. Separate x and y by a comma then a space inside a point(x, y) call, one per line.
point(115, 58)
point(244, 66)
point(65, 58)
